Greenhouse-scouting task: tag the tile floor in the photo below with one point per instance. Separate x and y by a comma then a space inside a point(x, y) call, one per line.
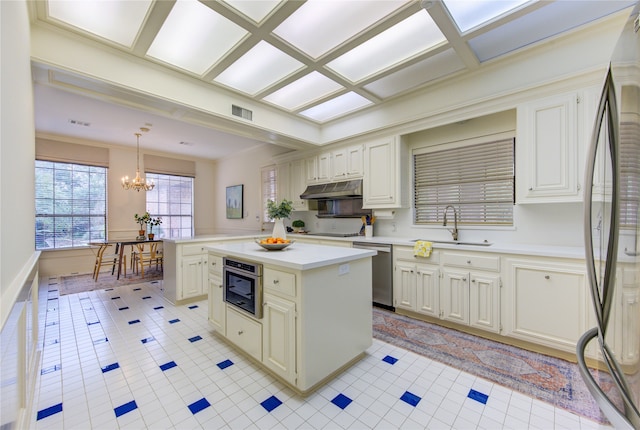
point(125, 358)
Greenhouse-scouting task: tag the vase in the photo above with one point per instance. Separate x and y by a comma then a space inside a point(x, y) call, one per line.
point(151, 236)
point(141, 233)
point(278, 228)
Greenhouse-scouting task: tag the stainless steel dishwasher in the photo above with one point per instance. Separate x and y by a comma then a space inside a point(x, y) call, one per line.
point(382, 276)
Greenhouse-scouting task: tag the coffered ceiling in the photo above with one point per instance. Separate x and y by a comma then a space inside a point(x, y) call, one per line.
point(321, 60)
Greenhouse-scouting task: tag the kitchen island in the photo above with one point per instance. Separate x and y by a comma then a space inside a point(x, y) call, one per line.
point(316, 303)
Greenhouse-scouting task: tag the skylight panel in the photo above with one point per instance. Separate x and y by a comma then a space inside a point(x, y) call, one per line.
point(115, 21)
point(336, 107)
point(305, 90)
point(257, 10)
point(318, 26)
point(416, 34)
point(260, 67)
point(471, 13)
point(194, 37)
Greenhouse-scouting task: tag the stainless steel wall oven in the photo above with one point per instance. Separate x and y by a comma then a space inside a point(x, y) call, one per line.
point(243, 285)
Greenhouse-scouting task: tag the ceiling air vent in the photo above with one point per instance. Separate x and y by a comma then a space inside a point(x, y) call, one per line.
point(242, 112)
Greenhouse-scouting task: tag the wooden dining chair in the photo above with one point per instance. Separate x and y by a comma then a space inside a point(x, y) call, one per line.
point(147, 258)
point(107, 259)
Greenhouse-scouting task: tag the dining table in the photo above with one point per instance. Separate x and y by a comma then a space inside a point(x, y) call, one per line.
point(120, 245)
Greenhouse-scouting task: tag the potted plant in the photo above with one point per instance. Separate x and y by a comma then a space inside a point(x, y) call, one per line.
point(142, 220)
point(297, 225)
point(277, 212)
point(153, 222)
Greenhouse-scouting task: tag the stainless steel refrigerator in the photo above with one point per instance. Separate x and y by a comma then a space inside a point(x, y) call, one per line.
point(612, 244)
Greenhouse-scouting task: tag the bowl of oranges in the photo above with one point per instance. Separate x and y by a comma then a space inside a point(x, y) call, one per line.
point(274, 243)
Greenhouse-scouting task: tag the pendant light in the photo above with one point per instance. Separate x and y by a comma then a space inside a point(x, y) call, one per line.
point(138, 183)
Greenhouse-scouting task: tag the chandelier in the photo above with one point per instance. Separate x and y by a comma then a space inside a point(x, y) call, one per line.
point(138, 183)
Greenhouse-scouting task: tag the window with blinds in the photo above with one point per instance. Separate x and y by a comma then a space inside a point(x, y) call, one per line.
point(269, 189)
point(629, 174)
point(478, 180)
point(172, 201)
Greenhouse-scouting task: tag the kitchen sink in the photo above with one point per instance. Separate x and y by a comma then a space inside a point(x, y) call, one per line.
point(457, 242)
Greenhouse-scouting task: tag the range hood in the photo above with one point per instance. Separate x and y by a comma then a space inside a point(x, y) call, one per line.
point(333, 190)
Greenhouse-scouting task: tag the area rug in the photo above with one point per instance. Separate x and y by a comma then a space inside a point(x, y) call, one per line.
point(79, 283)
point(549, 379)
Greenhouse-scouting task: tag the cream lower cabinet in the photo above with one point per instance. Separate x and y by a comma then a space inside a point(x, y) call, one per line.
point(194, 273)
point(185, 272)
point(546, 302)
point(470, 291)
point(244, 332)
point(450, 286)
point(217, 309)
point(279, 336)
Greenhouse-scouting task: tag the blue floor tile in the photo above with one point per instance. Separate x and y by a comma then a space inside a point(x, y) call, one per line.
point(195, 339)
point(115, 298)
point(410, 398)
point(147, 339)
point(101, 340)
point(389, 359)
point(112, 366)
point(271, 403)
point(49, 411)
point(123, 308)
point(193, 307)
point(167, 366)
point(158, 307)
point(478, 396)
point(93, 322)
point(174, 321)
point(341, 401)
point(224, 364)
point(146, 297)
point(50, 369)
point(127, 407)
point(201, 404)
point(137, 289)
point(134, 322)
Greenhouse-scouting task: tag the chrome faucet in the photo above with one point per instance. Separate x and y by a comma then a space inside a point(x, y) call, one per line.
point(454, 232)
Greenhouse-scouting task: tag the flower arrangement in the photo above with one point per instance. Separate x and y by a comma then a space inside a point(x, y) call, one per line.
point(153, 222)
point(142, 219)
point(283, 210)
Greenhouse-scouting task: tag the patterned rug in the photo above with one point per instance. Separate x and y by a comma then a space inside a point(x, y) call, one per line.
point(84, 282)
point(549, 379)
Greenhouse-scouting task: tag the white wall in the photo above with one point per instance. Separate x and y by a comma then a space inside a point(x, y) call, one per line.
point(17, 149)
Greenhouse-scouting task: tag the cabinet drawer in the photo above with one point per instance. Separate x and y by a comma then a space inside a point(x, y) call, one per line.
point(193, 249)
point(215, 265)
point(475, 261)
point(244, 333)
point(406, 253)
point(280, 282)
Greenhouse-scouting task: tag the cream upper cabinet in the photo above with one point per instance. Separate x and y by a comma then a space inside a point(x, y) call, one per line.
point(385, 182)
point(311, 169)
point(339, 164)
point(552, 136)
point(347, 163)
point(324, 167)
point(297, 184)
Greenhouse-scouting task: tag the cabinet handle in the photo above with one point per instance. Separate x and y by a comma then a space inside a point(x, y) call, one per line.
point(213, 263)
point(530, 188)
point(464, 279)
point(240, 332)
point(468, 261)
point(276, 281)
point(547, 277)
point(220, 286)
point(473, 280)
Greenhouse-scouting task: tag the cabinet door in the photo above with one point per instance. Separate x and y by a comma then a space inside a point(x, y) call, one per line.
point(547, 150)
point(311, 169)
point(244, 332)
point(484, 301)
point(297, 184)
point(355, 161)
point(455, 296)
point(192, 276)
point(279, 337)
point(405, 286)
point(380, 174)
point(339, 164)
point(324, 167)
point(217, 308)
point(557, 291)
point(427, 290)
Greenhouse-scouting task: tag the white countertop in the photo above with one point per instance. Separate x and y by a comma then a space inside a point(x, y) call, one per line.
point(298, 256)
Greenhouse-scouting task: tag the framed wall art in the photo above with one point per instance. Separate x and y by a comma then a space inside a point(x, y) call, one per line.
point(234, 201)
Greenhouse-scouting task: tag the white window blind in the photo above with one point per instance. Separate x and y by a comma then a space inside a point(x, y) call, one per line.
point(629, 173)
point(478, 180)
point(269, 189)
point(172, 200)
